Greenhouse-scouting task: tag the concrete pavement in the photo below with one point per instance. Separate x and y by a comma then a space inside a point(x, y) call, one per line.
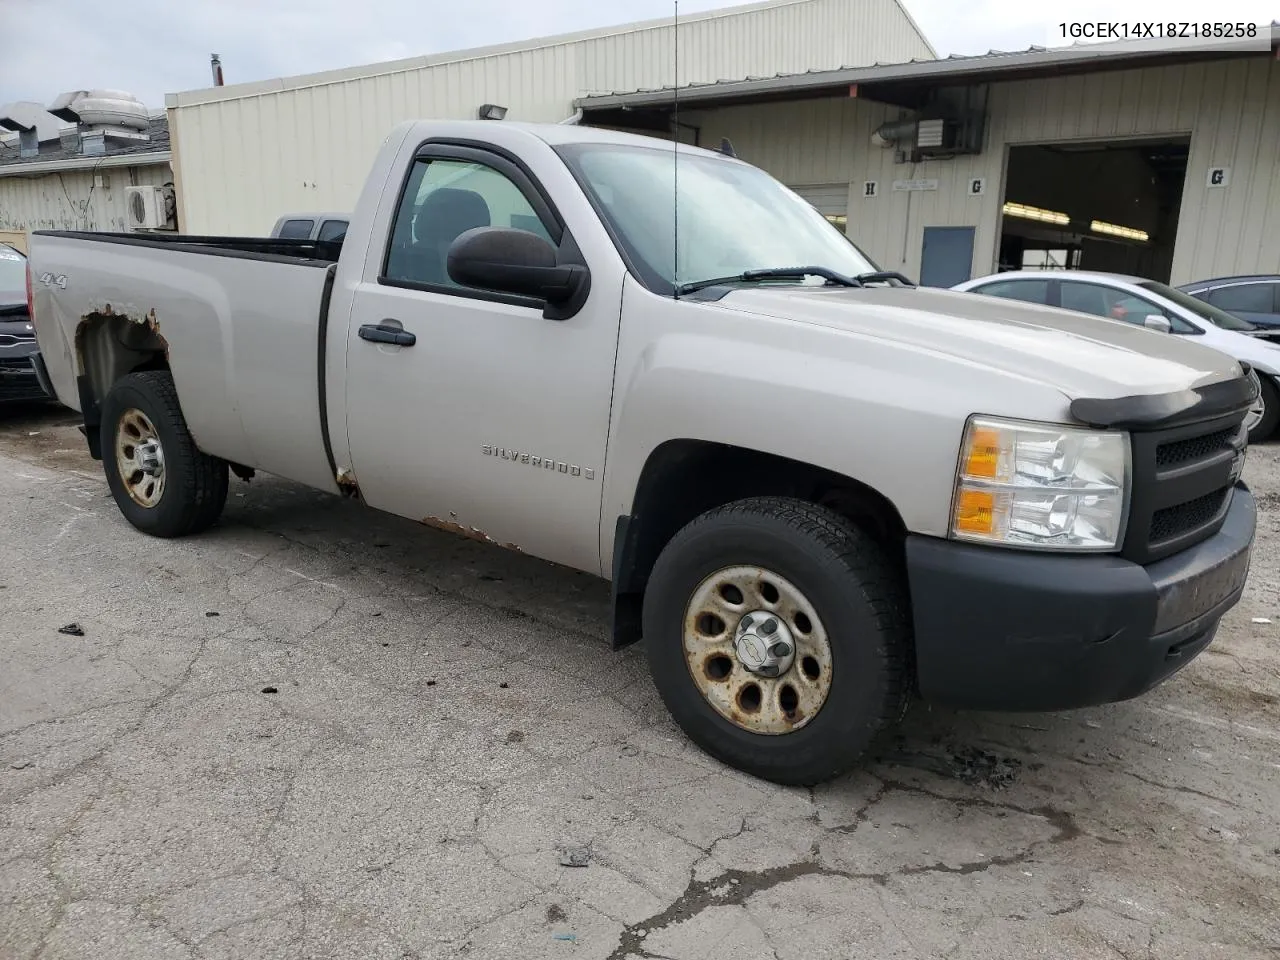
point(322, 732)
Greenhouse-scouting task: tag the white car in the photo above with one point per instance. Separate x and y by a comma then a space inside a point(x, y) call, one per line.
point(1159, 307)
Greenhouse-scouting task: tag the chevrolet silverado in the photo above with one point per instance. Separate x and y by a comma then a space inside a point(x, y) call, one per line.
point(817, 489)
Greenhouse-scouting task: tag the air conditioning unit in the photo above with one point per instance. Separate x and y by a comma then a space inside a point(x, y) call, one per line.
point(148, 208)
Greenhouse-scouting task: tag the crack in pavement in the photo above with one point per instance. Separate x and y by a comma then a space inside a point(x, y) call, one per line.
point(64, 895)
point(735, 887)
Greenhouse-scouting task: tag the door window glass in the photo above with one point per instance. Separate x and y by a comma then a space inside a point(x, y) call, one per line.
point(1245, 298)
point(1088, 298)
point(1029, 291)
point(1116, 305)
point(443, 200)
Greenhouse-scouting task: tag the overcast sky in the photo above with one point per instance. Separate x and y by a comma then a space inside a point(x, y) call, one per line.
point(154, 47)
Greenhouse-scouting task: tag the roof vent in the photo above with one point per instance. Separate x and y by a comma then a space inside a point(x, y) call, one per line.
point(102, 117)
point(28, 138)
point(32, 124)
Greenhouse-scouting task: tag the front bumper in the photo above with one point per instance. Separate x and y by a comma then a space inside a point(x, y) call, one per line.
point(19, 380)
point(18, 347)
point(1000, 629)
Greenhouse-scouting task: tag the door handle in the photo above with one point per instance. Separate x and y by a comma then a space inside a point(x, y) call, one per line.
point(381, 333)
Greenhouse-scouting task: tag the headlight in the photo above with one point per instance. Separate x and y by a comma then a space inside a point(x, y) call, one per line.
point(1041, 486)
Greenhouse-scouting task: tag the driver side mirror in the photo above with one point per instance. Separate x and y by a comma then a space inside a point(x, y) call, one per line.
point(1158, 323)
point(507, 260)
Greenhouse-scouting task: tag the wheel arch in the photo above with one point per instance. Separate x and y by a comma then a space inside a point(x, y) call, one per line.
point(683, 478)
point(111, 345)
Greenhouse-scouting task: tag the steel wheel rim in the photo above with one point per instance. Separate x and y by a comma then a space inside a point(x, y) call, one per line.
point(140, 458)
point(724, 658)
point(1258, 409)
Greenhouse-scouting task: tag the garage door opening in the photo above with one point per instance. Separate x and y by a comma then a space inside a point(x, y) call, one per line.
point(1094, 206)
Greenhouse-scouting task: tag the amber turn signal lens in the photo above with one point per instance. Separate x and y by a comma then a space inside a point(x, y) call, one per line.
point(984, 454)
point(976, 511)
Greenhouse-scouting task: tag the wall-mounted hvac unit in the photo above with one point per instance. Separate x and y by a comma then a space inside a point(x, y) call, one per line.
point(149, 208)
point(947, 123)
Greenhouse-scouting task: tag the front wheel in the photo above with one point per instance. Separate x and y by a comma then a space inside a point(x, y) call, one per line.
point(161, 481)
point(778, 636)
point(1263, 415)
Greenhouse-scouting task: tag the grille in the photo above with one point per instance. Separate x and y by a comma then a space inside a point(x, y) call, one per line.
point(1195, 448)
point(1182, 482)
point(1171, 522)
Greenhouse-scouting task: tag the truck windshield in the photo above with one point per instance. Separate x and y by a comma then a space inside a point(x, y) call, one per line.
point(731, 218)
point(1205, 311)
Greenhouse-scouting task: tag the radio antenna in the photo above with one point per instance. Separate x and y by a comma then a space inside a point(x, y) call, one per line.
point(675, 156)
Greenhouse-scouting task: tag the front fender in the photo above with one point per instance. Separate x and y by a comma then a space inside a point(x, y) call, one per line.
point(877, 411)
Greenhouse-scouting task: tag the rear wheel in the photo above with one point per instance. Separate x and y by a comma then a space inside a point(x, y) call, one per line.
point(778, 636)
point(161, 481)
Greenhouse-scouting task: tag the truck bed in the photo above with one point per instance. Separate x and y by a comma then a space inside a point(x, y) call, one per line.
point(240, 320)
point(258, 248)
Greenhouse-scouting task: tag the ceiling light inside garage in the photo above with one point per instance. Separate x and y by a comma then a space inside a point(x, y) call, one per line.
point(1128, 233)
point(1035, 213)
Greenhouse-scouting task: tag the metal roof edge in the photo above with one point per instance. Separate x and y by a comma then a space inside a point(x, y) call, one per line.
point(85, 163)
point(253, 88)
point(955, 66)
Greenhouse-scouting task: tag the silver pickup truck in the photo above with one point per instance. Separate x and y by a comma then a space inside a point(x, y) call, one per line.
point(817, 490)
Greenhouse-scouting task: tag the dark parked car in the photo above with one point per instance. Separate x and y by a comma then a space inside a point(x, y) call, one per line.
point(18, 380)
point(1253, 298)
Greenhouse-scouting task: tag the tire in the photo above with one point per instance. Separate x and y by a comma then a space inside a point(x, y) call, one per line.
point(1270, 396)
point(194, 488)
point(859, 600)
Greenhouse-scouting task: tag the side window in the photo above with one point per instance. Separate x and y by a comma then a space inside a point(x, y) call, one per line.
point(332, 230)
point(1116, 305)
point(1244, 298)
point(1087, 298)
point(443, 199)
point(296, 229)
point(1029, 291)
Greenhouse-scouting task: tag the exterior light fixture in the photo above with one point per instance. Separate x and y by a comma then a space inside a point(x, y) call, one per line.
point(1035, 213)
point(491, 111)
point(1127, 233)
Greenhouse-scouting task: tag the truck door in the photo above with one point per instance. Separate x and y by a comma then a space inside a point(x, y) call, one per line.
point(493, 421)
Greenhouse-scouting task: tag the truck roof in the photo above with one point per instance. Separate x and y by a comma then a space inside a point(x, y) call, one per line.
point(557, 134)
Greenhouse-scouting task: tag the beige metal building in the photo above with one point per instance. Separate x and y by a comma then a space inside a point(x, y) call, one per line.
point(1152, 158)
point(53, 178)
point(246, 154)
point(1133, 157)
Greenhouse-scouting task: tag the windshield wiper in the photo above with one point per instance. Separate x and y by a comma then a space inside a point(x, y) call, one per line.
point(772, 273)
point(880, 276)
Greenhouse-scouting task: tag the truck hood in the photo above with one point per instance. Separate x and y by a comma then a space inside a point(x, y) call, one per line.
point(1082, 355)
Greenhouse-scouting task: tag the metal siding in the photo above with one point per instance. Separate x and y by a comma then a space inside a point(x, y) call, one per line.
point(248, 159)
point(1231, 110)
point(70, 201)
point(813, 35)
